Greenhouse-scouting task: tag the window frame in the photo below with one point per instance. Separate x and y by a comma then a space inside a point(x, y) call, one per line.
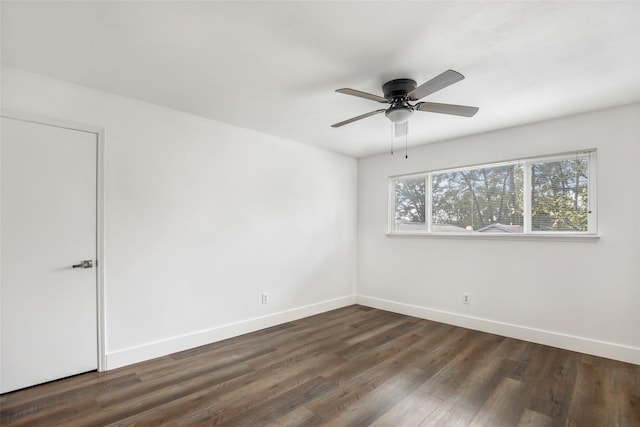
point(527, 233)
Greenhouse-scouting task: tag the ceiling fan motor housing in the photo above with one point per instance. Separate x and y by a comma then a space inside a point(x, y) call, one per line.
point(395, 91)
point(398, 88)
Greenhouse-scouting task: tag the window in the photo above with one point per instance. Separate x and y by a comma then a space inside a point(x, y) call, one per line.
point(560, 195)
point(550, 195)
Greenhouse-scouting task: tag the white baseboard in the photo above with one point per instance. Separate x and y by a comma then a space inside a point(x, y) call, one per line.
point(550, 338)
point(152, 350)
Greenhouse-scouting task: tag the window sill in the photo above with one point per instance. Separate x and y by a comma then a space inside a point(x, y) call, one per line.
point(500, 236)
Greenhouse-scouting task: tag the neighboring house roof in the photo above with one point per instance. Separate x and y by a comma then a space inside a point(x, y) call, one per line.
point(446, 228)
point(404, 225)
point(500, 228)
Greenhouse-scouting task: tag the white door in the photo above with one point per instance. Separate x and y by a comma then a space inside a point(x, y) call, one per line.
point(48, 224)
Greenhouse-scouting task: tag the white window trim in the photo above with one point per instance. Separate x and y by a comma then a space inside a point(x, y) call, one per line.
point(559, 236)
point(428, 195)
point(589, 235)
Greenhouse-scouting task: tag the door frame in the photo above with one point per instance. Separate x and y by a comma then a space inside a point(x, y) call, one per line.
point(100, 208)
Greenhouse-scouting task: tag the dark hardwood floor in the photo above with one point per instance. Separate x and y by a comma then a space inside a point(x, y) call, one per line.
point(354, 366)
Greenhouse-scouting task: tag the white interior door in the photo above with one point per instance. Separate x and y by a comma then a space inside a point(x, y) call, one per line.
point(48, 224)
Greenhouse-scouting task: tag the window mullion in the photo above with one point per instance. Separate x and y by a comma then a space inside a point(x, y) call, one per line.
point(391, 215)
point(592, 202)
point(428, 202)
point(527, 193)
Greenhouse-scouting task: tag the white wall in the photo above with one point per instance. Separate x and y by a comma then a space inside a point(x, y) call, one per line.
point(201, 217)
point(581, 295)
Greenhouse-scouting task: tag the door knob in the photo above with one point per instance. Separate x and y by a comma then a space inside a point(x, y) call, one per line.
point(87, 263)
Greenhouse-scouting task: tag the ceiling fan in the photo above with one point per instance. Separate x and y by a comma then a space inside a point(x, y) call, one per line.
point(401, 92)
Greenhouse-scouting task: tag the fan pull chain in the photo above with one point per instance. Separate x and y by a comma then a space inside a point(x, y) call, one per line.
point(406, 154)
point(392, 137)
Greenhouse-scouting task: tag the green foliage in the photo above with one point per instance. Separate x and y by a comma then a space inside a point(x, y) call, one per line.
point(410, 200)
point(478, 197)
point(560, 195)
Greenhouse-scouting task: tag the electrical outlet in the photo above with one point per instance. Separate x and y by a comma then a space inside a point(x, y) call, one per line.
point(265, 298)
point(466, 298)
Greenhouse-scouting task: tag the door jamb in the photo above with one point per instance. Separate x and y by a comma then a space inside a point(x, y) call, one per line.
point(100, 208)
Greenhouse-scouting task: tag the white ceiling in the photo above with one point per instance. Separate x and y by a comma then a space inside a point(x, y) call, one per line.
point(273, 66)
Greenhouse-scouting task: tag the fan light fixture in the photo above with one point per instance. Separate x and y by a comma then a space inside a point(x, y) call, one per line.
point(399, 115)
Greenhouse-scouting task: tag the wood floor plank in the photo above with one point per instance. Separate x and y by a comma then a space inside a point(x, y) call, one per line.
point(505, 405)
point(553, 391)
point(305, 330)
point(67, 396)
point(628, 410)
point(410, 411)
point(511, 349)
point(465, 362)
point(301, 346)
point(275, 335)
point(444, 349)
point(343, 315)
point(239, 394)
point(58, 416)
point(364, 361)
point(62, 406)
point(375, 404)
point(624, 386)
point(210, 368)
point(377, 340)
point(346, 367)
point(534, 419)
point(65, 385)
point(378, 318)
point(298, 350)
point(604, 394)
point(463, 402)
point(115, 408)
point(195, 367)
point(531, 363)
point(267, 410)
point(299, 417)
point(165, 414)
point(362, 334)
point(350, 392)
point(435, 332)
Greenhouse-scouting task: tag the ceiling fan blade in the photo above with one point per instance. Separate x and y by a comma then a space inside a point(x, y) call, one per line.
point(445, 79)
point(456, 110)
point(361, 94)
point(353, 119)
